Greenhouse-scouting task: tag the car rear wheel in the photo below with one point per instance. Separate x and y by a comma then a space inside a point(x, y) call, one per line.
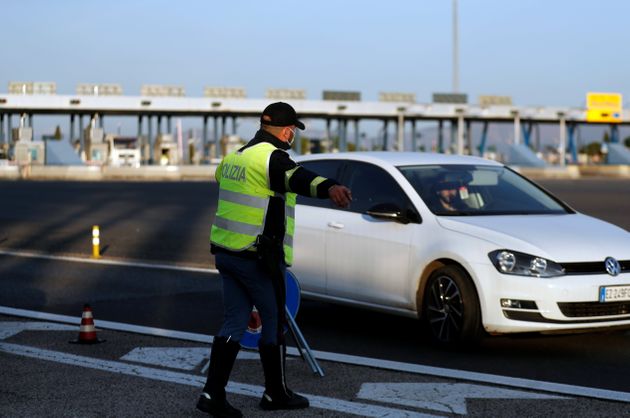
point(451, 307)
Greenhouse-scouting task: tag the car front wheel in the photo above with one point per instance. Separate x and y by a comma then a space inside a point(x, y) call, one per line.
point(451, 307)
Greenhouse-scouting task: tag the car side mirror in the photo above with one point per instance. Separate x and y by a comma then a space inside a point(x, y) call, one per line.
point(388, 212)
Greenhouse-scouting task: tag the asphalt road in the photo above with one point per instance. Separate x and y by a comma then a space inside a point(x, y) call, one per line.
point(169, 222)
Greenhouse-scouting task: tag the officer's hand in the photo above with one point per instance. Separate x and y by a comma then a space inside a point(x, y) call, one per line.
point(340, 195)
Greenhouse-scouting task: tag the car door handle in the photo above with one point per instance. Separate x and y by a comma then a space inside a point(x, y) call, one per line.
point(335, 225)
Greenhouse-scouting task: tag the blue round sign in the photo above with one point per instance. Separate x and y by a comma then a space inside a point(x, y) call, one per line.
point(254, 327)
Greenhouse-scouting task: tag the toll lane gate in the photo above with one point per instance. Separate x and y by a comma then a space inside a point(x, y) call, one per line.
point(132, 374)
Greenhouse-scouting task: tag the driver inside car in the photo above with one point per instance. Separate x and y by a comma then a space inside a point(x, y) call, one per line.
point(451, 194)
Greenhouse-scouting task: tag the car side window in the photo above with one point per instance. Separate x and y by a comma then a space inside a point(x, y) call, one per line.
point(371, 185)
point(324, 168)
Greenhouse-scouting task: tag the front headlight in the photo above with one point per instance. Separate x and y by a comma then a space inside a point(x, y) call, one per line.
point(520, 264)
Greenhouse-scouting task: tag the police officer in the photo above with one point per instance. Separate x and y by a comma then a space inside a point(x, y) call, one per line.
point(252, 238)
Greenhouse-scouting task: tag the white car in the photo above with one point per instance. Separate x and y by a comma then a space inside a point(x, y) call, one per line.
point(465, 244)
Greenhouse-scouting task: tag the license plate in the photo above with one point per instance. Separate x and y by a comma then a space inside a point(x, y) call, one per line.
point(614, 293)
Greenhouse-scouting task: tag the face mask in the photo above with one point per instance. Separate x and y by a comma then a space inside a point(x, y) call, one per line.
point(292, 137)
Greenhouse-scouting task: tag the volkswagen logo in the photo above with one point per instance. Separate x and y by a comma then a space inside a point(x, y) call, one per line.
point(612, 266)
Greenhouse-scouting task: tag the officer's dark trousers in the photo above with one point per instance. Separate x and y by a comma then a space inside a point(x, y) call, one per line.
point(245, 285)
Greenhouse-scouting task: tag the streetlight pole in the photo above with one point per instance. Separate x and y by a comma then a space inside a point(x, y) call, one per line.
point(455, 50)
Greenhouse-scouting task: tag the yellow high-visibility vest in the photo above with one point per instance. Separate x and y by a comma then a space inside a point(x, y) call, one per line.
point(244, 193)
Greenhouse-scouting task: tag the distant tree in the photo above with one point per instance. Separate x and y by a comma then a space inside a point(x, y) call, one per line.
point(58, 135)
point(627, 141)
point(606, 137)
point(594, 148)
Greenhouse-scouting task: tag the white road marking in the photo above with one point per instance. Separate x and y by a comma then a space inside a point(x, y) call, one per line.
point(493, 379)
point(11, 328)
point(140, 264)
point(117, 326)
point(322, 402)
point(443, 397)
point(182, 358)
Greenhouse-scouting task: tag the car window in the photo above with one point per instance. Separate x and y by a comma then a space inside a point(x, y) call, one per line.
point(372, 185)
point(324, 168)
point(469, 190)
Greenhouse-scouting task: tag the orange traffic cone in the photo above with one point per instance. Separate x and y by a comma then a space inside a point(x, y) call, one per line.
point(87, 331)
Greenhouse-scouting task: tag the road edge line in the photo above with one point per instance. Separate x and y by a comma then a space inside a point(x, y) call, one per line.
point(497, 380)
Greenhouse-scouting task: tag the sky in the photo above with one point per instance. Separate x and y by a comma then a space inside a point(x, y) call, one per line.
point(539, 52)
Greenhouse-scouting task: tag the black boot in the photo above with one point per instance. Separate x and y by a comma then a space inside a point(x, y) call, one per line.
point(277, 395)
point(222, 358)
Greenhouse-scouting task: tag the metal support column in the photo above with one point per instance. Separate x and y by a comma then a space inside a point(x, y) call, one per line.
point(328, 136)
point(217, 138)
point(484, 137)
point(150, 142)
point(572, 146)
point(357, 136)
point(100, 121)
point(204, 139)
point(460, 134)
point(341, 144)
point(453, 136)
point(9, 129)
point(400, 132)
point(81, 136)
point(234, 125)
point(169, 125)
point(414, 139)
point(440, 144)
point(614, 134)
point(385, 136)
point(563, 139)
point(1, 128)
point(527, 132)
point(223, 126)
point(468, 138)
point(517, 128)
point(159, 125)
point(139, 129)
point(297, 142)
point(345, 134)
point(30, 125)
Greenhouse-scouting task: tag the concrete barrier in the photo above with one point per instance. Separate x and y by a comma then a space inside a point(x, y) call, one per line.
point(605, 170)
point(97, 173)
point(64, 172)
point(9, 172)
point(567, 172)
point(206, 172)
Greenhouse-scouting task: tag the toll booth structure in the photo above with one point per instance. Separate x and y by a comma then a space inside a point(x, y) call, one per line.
point(166, 150)
point(27, 151)
point(123, 151)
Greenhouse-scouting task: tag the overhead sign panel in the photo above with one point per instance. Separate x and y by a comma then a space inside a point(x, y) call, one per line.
point(453, 98)
point(32, 87)
point(225, 92)
point(397, 97)
point(162, 90)
point(604, 107)
point(91, 89)
point(490, 100)
point(347, 96)
point(286, 94)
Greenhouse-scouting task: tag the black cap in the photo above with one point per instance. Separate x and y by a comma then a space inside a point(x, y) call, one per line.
point(280, 114)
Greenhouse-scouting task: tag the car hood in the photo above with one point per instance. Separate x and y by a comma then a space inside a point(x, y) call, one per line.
point(561, 238)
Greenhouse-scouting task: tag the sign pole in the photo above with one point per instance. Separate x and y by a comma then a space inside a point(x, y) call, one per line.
point(302, 345)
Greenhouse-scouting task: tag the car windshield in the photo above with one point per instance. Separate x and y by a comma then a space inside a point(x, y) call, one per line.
point(471, 190)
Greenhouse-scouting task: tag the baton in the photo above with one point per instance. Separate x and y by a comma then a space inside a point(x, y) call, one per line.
point(302, 345)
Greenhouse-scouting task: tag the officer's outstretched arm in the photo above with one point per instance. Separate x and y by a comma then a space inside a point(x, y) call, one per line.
point(340, 195)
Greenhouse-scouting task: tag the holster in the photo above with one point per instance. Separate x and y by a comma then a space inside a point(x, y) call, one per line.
point(270, 256)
